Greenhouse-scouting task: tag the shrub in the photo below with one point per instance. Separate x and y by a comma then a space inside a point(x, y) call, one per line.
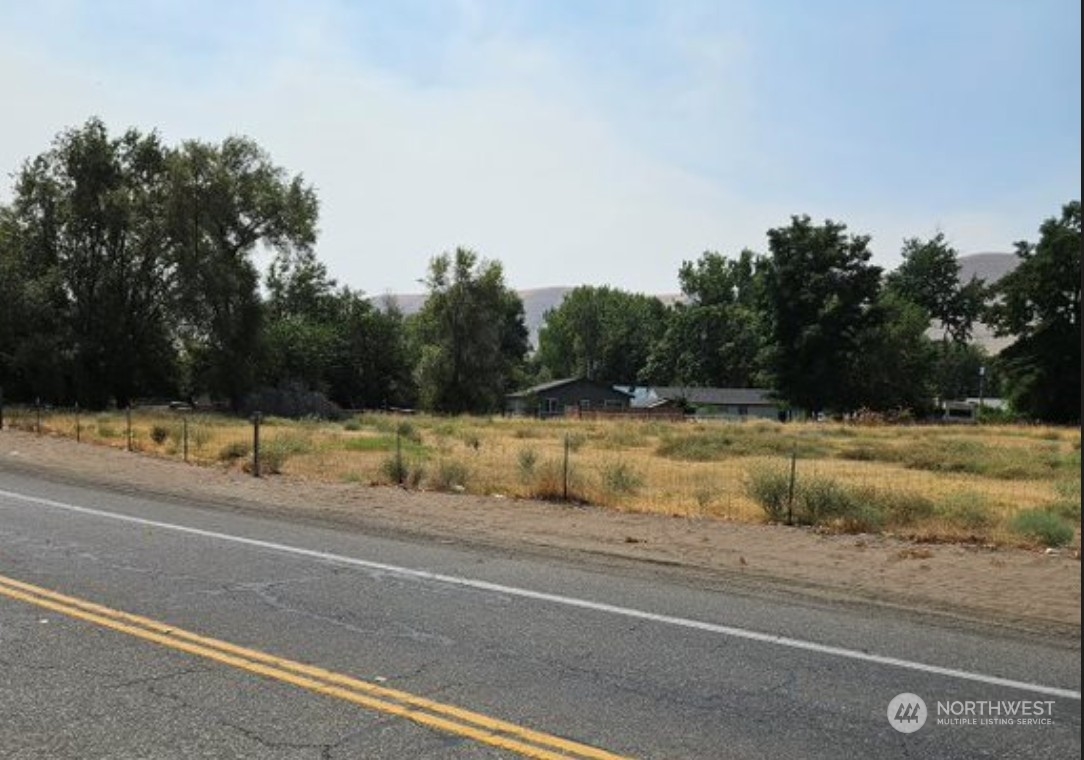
point(450, 475)
point(902, 507)
point(771, 489)
point(234, 450)
point(825, 501)
point(352, 426)
point(403, 472)
point(527, 459)
point(705, 497)
point(1042, 527)
point(159, 434)
point(575, 441)
point(198, 435)
point(409, 432)
point(275, 452)
point(621, 478)
point(549, 483)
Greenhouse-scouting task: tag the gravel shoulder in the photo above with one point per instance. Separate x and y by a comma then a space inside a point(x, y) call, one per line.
point(1030, 591)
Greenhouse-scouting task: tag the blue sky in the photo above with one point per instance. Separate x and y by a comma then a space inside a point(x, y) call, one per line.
point(585, 142)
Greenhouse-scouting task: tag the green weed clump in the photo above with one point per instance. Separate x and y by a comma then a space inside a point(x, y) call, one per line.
point(450, 475)
point(549, 483)
point(823, 501)
point(403, 471)
point(526, 460)
point(159, 434)
point(621, 478)
point(1042, 527)
point(275, 451)
point(234, 450)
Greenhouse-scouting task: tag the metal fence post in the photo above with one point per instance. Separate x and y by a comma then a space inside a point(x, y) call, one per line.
point(566, 468)
point(400, 476)
point(790, 491)
point(256, 445)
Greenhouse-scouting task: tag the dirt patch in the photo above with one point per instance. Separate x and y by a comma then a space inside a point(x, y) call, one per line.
point(1037, 590)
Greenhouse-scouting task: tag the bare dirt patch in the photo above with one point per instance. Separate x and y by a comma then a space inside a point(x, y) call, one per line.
point(1035, 590)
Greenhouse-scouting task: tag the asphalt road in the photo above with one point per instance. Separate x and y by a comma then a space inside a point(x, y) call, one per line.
point(633, 660)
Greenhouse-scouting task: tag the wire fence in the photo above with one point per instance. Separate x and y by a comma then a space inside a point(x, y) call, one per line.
point(950, 482)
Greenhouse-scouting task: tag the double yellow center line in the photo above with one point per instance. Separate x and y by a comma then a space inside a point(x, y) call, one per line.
point(434, 715)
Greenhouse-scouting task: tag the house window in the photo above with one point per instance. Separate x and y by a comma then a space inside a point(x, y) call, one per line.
point(551, 406)
point(585, 403)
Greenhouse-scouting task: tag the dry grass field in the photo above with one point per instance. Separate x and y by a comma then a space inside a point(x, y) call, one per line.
point(1004, 485)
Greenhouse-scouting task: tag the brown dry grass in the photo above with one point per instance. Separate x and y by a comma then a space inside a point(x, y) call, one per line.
point(979, 478)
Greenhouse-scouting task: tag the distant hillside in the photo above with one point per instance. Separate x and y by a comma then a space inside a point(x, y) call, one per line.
point(537, 301)
point(990, 267)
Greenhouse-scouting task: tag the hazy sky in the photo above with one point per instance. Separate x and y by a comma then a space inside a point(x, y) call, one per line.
point(585, 142)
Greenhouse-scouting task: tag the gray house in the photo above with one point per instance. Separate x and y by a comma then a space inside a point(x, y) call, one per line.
point(568, 396)
point(739, 403)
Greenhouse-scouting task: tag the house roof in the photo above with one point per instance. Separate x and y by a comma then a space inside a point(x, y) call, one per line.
point(714, 396)
point(554, 384)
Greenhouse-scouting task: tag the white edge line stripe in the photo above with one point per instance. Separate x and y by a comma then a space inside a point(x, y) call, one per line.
point(567, 601)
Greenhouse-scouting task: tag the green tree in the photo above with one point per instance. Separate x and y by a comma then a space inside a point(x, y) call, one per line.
point(716, 335)
point(893, 359)
point(600, 333)
point(957, 368)
point(1039, 303)
point(820, 288)
point(374, 359)
point(225, 202)
point(471, 334)
point(930, 277)
point(302, 326)
point(85, 238)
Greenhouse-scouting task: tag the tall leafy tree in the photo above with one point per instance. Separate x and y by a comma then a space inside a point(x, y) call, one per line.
point(716, 336)
point(1039, 303)
point(374, 359)
point(302, 325)
point(893, 361)
point(930, 277)
point(86, 228)
point(472, 335)
point(600, 333)
point(226, 201)
point(820, 287)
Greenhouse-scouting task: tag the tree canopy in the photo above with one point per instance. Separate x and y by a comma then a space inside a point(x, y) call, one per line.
point(600, 333)
point(820, 289)
point(129, 269)
point(472, 334)
point(1039, 303)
